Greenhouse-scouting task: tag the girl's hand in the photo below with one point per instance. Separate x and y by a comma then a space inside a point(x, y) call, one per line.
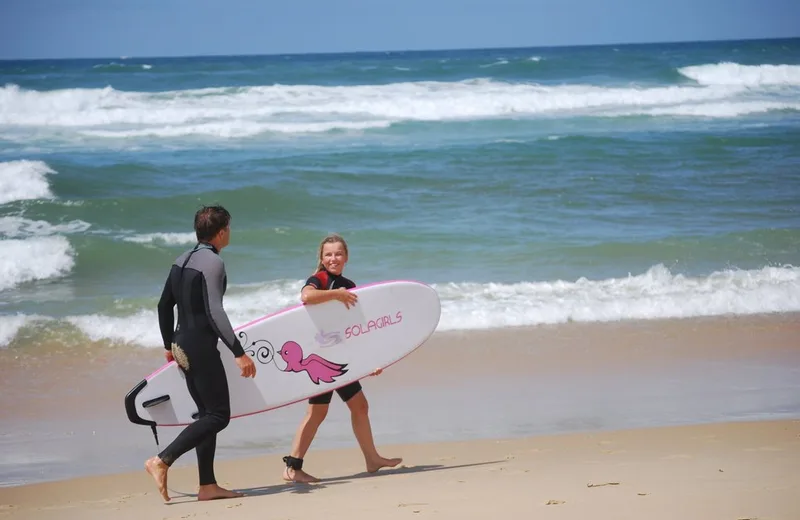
point(377, 372)
point(346, 297)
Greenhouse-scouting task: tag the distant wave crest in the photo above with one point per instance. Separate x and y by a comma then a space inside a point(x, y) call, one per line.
point(728, 73)
point(724, 90)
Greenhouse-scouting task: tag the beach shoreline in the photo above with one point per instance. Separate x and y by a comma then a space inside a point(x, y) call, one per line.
point(459, 386)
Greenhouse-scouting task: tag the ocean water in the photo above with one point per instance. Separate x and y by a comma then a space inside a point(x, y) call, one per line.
point(528, 186)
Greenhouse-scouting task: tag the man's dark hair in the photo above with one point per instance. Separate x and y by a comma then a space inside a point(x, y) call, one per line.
point(210, 220)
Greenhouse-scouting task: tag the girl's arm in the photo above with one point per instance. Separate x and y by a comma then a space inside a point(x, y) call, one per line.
point(310, 295)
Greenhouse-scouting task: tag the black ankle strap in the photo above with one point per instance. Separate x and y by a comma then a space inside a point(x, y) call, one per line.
point(293, 462)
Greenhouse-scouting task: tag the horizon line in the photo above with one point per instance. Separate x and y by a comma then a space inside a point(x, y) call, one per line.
point(400, 51)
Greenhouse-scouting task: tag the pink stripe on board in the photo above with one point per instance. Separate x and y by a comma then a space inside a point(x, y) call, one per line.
point(276, 313)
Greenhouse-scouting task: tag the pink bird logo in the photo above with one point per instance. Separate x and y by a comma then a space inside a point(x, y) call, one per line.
point(318, 368)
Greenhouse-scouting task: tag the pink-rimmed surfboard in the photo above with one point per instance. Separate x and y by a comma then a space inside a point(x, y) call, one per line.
point(302, 351)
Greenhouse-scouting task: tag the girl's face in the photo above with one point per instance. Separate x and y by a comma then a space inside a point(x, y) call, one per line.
point(334, 257)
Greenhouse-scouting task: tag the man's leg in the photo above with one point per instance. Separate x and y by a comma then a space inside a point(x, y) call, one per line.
point(213, 398)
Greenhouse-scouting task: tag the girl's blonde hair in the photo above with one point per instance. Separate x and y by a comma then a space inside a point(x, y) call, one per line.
point(333, 238)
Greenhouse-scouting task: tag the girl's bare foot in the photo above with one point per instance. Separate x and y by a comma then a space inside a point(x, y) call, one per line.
point(158, 470)
point(298, 475)
point(214, 492)
point(380, 462)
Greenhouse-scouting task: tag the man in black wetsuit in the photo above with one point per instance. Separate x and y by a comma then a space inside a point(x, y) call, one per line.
point(196, 284)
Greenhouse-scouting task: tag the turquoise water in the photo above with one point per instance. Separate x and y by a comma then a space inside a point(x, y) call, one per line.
point(527, 185)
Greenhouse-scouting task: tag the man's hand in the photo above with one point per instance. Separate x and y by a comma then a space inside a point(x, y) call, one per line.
point(169, 356)
point(246, 365)
point(377, 372)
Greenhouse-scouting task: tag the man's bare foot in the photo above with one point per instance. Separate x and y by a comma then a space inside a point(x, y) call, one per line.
point(158, 470)
point(298, 475)
point(214, 492)
point(380, 462)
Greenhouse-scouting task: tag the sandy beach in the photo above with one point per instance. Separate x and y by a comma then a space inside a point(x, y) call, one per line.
point(720, 471)
point(696, 419)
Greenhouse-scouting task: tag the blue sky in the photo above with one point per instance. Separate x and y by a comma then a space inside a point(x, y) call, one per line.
point(110, 28)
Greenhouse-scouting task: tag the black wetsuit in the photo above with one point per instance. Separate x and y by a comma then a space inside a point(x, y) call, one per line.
point(324, 280)
point(196, 284)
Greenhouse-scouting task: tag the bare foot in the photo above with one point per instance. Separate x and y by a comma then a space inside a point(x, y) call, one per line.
point(158, 470)
point(380, 462)
point(298, 475)
point(214, 492)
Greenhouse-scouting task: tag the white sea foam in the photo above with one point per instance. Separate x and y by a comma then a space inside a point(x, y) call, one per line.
point(236, 112)
point(727, 73)
point(10, 326)
point(245, 304)
point(236, 129)
point(501, 61)
point(722, 109)
point(138, 329)
point(654, 294)
point(24, 180)
point(171, 239)
point(18, 227)
point(34, 259)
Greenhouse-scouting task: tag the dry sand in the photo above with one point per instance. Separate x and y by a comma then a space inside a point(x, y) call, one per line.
point(724, 471)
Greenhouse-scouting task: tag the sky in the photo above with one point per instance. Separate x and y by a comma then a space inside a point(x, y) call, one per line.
point(147, 28)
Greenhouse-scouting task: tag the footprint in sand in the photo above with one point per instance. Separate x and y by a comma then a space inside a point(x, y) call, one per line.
point(591, 485)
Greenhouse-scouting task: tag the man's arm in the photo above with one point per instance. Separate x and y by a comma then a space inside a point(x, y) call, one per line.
point(166, 314)
point(213, 282)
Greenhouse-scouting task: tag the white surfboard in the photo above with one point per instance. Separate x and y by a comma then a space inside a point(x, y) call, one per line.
point(302, 351)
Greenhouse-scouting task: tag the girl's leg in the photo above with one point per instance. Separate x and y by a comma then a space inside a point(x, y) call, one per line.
point(359, 417)
point(315, 414)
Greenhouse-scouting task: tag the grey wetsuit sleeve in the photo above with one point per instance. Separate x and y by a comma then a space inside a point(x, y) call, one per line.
point(166, 314)
point(214, 280)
